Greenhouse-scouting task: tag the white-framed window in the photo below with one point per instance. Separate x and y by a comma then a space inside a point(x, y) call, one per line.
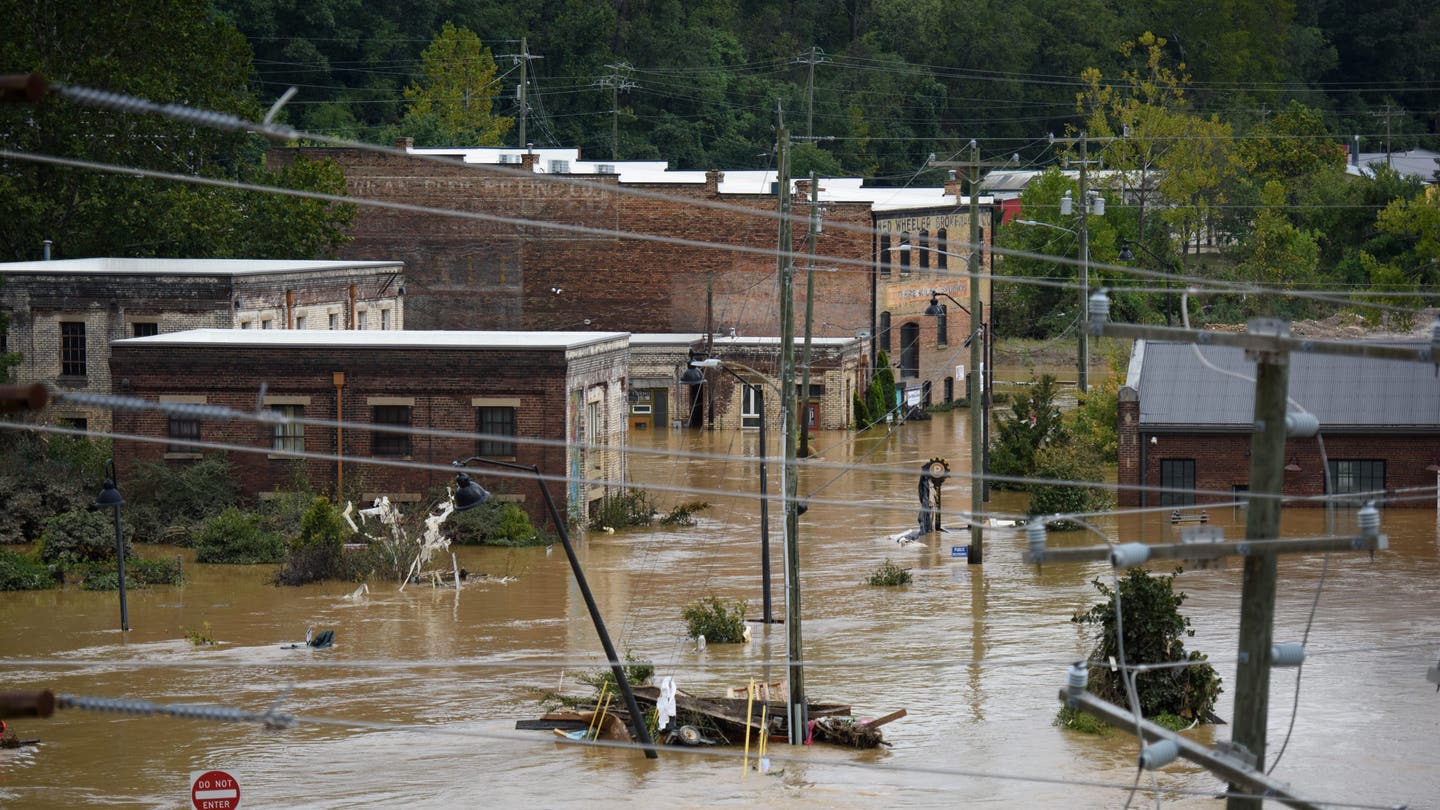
point(334, 321)
point(290, 434)
point(360, 319)
point(299, 321)
point(384, 319)
point(266, 323)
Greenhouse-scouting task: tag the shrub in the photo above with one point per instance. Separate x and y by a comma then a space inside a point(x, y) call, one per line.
point(637, 672)
point(23, 572)
point(237, 537)
point(718, 621)
point(862, 411)
point(684, 514)
point(494, 523)
point(1033, 423)
point(170, 502)
point(41, 477)
point(1068, 462)
point(1154, 633)
point(889, 574)
point(75, 538)
point(139, 573)
point(199, 636)
point(315, 554)
point(631, 507)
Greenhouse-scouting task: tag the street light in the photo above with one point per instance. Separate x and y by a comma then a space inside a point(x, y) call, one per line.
point(110, 496)
point(694, 376)
point(469, 495)
point(1082, 359)
point(1127, 255)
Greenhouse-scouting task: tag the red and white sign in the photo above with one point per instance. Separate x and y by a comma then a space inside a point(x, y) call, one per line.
point(214, 790)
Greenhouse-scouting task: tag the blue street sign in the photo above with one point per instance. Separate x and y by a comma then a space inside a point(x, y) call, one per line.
point(960, 551)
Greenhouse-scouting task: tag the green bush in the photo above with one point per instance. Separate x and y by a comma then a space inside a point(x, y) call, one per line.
point(684, 514)
point(718, 621)
point(171, 502)
point(1068, 462)
point(637, 672)
point(75, 538)
point(1033, 423)
point(494, 523)
point(631, 507)
point(237, 537)
point(41, 477)
point(1154, 633)
point(862, 411)
point(889, 574)
point(316, 553)
point(139, 573)
point(23, 572)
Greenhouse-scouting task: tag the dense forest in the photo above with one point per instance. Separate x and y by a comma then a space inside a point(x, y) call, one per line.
point(1226, 120)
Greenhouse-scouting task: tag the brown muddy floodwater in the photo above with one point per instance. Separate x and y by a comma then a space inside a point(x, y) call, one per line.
point(976, 654)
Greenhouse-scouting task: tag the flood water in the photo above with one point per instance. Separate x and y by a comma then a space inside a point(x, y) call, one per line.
point(976, 654)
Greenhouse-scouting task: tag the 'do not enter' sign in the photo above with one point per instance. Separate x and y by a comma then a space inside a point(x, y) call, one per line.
point(214, 790)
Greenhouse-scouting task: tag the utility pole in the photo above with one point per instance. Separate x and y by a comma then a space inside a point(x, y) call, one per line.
point(523, 59)
point(1389, 112)
point(796, 709)
point(813, 58)
point(975, 382)
point(1082, 232)
point(812, 238)
point(617, 79)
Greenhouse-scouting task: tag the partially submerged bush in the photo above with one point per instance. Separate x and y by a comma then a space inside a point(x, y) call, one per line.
point(316, 554)
point(684, 514)
point(631, 507)
point(41, 477)
point(139, 573)
point(718, 621)
point(638, 672)
point(889, 574)
point(237, 537)
point(23, 572)
point(495, 523)
point(76, 538)
point(171, 502)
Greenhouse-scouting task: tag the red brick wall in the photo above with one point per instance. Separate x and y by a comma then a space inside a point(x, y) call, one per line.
point(471, 274)
point(442, 383)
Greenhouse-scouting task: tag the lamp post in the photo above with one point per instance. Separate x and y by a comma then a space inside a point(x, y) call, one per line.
point(1082, 359)
point(469, 495)
point(110, 496)
point(694, 376)
point(979, 416)
point(1127, 255)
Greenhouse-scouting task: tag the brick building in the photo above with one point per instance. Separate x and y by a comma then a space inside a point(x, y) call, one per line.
point(64, 314)
point(541, 247)
point(1188, 427)
point(566, 389)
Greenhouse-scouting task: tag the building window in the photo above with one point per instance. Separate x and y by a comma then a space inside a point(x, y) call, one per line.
point(910, 350)
point(289, 434)
point(752, 406)
point(74, 423)
point(183, 429)
point(641, 401)
point(144, 329)
point(244, 324)
point(905, 254)
point(495, 421)
point(884, 341)
point(360, 319)
point(949, 389)
point(266, 323)
point(299, 321)
point(391, 444)
point(1177, 474)
point(334, 321)
point(924, 249)
point(384, 319)
point(942, 327)
point(594, 423)
point(1353, 475)
point(942, 244)
point(72, 349)
point(885, 254)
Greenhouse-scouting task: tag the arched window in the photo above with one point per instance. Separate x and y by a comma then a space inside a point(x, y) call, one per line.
point(910, 350)
point(924, 249)
point(883, 339)
point(905, 254)
point(884, 254)
point(949, 389)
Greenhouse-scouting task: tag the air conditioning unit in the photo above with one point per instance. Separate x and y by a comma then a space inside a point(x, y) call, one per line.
point(559, 166)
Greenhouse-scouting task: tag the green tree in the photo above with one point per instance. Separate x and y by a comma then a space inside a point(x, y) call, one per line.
point(454, 104)
point(315, 554)
point(1032, 424)
point(1277, 252)
point(1067, 461)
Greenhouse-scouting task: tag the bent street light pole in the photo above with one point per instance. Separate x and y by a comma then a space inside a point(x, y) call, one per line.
point(110, 496)
point(764, 475)
point(637, 720)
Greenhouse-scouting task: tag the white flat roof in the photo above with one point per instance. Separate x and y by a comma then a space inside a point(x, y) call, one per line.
point(185, 267)
point(374, 339)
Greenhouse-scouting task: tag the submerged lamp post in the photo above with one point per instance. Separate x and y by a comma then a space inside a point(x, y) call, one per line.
point(110, 497)
point(979, 415)
point(694, 376)
point(469, 495)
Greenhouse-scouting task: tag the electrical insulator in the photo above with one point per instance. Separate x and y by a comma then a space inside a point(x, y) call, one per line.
point(1035, 536)
point(1302, 425)
point(1158, 754)
point(1287, 654)
point(1129, 555)
point(1369, 520)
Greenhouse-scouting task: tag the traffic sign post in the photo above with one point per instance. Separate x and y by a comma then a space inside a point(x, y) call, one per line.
point(214, 790)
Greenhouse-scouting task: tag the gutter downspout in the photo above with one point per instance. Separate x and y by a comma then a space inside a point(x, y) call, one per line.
point(289, 309)
point(339, 379)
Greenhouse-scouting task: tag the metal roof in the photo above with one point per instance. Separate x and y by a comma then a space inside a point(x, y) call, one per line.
point(1178, 391)
point(376, 339)
point(186, 267)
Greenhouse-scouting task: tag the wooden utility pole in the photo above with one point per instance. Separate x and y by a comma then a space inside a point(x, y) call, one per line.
point(796, 717)
point(812, 238)
point(814, 57)
point(617, 79)
point(523, 59)
point(1389, 112)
